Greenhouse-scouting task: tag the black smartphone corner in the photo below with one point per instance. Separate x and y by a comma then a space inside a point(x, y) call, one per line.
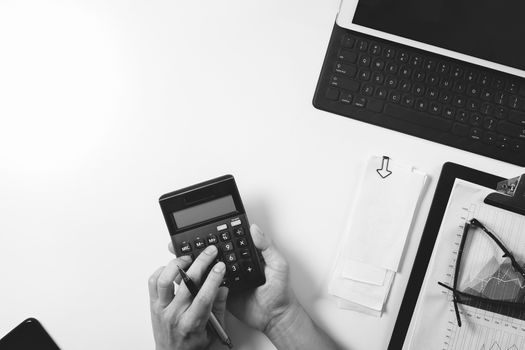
point(28, 335)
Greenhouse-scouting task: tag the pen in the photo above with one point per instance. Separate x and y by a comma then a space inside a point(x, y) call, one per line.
point(212, 322)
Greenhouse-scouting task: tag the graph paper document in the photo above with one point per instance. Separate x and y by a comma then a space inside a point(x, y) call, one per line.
point(484, 272)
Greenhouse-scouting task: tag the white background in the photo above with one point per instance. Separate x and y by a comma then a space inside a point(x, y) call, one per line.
point(106, 105)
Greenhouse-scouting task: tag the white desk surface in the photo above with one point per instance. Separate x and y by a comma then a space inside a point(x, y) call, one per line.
point(106, 105)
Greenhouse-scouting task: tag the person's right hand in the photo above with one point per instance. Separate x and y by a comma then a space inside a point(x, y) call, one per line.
point(266, 305)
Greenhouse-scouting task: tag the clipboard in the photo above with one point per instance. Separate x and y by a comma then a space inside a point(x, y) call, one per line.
point(509, 195)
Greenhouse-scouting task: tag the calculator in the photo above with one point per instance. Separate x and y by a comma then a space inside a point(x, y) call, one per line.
point(212, 213)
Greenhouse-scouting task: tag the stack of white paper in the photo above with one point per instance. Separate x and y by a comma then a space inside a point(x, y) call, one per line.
point(374, 241)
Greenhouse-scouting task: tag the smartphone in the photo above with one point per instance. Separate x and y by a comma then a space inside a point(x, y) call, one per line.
point(28, 335)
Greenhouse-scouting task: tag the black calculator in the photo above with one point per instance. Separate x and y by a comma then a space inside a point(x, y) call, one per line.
point(212, 213)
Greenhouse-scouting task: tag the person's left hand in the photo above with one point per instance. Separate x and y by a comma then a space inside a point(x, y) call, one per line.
point(179, 321)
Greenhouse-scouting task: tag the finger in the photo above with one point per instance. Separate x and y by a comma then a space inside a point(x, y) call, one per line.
point(219, 305)
point(200, 308)
point(170, 248)
point(197, 270)
point(271, 255)
point(152, 284)
point(165, 287)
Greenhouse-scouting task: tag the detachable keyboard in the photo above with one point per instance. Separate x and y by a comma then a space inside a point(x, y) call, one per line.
point(424, 94)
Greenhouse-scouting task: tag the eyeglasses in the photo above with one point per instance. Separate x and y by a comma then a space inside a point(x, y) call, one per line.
point(466, 296)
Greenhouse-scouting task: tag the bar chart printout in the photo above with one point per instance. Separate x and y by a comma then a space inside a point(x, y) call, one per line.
point(484, 272)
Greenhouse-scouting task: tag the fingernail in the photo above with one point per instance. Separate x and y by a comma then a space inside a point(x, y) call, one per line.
point(210, 250)
point(185, 258)
point(219, 267)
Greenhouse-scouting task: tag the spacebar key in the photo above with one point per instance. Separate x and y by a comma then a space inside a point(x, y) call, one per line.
point(419, 118)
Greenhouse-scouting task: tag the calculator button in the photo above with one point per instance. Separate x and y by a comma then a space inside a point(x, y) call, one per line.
point(248, 268)
point(222, 227)
point(233, 269)
point(225, 236)
point(228, 247)
point(212, 239)
point(239, 231)
point(230, 257)
point(241, 243)
point(236, 279)
point(185, 247)
point(199, 243)
point(235, 223)
point(245, 253)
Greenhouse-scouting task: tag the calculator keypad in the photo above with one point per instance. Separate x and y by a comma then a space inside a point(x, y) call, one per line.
point(233, 250)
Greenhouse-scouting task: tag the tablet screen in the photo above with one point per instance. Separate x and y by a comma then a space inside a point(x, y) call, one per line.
point(487, 29)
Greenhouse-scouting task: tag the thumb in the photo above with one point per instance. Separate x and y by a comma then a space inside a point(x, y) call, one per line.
point(273, 258)
point(219, 305)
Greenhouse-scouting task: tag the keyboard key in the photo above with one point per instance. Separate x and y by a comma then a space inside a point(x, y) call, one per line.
point(378, 64)
point(511, 129)
point(364, 75)
point(347, 97)
point(435, 108)
point(403, 56)
point(459, 87)
point(185, 247)
point(458, 101)
point(405, 86)
point(443, 68)
point(381, 93)
point(239, 231)
point(245, 253)
point(414, 117)
point(490, 138)
point(199, 243)
point(473, 91)
point(230, 257)
point(449, 112)
point(419, 90)
point(430, 64)
point(360, 102)
point(394, 97)
point(514, 102)
point(484, 80)
point(487, 95)
point(419, 76)
point(516, 146)
point(473, 105)
point(391, 68)
point(486, 109)
point(445, 97)
point(362, 45)
point(416, 61)
point(227, 247)
point(343, 83)
point(332, 94)
point(348, 42)
point(375, 49)
point(391, 82)
point(462, 116)
point(517, 117)
point(433, 79)
point(224, 236)
point(345, 69)
point(500, 112)
point(475, 120)
point(389, 53)
point(364, 60)
point(445, 83)
point(248, 269)
point(489, 123)
point(513, 87)
point(421, 105)
point(460, 129)
point(407, 100)
point(405, 72)
point(498, 84)
point(502, 143)
point(347, 56)
point(500, 98)
point(212, 239)
point(457, 72)
point(476, 134)
point(367, 90)
point(242, 243)
point(432, 93)
point(378, 78)
point(233, 269)
point(471, 76)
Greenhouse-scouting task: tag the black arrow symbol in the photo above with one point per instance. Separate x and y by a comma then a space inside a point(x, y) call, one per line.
point(383, 171)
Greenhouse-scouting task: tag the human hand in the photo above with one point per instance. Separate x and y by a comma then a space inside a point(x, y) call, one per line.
point(261, 307)
point(179, 320)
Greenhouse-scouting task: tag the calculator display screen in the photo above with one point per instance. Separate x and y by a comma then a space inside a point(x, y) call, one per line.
point(205, 211)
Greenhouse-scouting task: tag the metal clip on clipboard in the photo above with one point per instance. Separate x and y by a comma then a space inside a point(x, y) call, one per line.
point(510, 195)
